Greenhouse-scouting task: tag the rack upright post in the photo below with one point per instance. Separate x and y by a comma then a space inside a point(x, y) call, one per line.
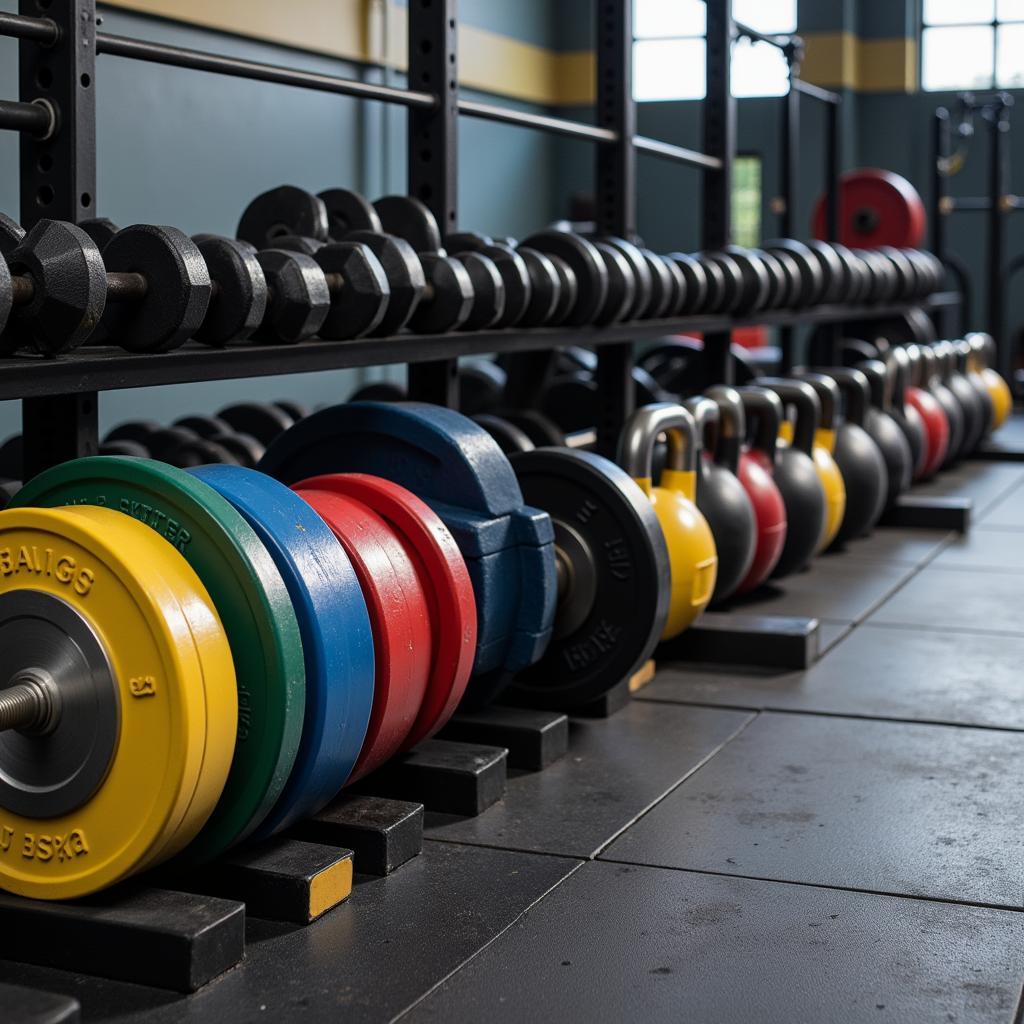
point(58, 180)
point(433, 155)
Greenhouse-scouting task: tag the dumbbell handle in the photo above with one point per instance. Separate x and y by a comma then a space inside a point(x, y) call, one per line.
point(31, 705)
point(335, 283)
point(121, 286)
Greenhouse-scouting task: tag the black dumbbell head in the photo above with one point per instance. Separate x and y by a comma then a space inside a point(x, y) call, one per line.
point(488, 291)
point(177, 297)
point(643, 283)
point(163, 443)
point(358, 307)
point(695, 297)
point(203, 426)
point(69, 287)
point(264, 421)
point(662, 295)
point(298, 301)
point(299, 243)
point(133, 430)
point(568, 289)
point(244, 448)
point(296, 410)
point(620, 294)
point(544, 287)
point(515, 277)
point(404, 272)
point(285, 210)
point(100, 229)
point(409, 218)
point(451, 298)
point(239, 302)
point(587, 266)
point(125, 449)
point(348, 211)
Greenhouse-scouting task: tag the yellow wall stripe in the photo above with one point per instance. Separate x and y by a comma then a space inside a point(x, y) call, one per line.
point(374, 31)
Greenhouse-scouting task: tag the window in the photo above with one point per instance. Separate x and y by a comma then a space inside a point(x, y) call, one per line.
point(668, 51)
point(975, 45)
point(746, 201)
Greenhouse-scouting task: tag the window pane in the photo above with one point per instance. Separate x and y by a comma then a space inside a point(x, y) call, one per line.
point(668, 69)
point(1010, 10)
point(957, 12)
point(956, 58)
point(746, 201)
point(1010, 57)
point(770, 16)
point(758, 70)
point(653, 19)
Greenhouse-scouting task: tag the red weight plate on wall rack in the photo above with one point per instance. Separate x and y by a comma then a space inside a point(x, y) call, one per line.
point(446, 581)
point(399, 618)
point(876, 207)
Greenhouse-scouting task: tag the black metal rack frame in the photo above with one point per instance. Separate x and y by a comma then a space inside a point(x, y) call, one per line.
point(55, 116)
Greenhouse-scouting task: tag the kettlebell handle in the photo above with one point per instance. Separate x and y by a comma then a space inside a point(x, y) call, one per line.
point(732, 425)
point(764, 407)
point(899, 363)
point(804, 400)
point(880, 379)
point(930, 362)
point(706, 415)
point(856, 390)
point(827, 391)
point(641, 431)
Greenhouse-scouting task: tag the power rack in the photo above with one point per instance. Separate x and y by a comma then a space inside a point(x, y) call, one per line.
point(56, 118)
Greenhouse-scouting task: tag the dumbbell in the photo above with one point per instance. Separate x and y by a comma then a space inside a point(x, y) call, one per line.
point(445, 302)
point(150, 288)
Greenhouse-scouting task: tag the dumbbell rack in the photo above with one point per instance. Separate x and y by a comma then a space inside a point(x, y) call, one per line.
point(55, 117)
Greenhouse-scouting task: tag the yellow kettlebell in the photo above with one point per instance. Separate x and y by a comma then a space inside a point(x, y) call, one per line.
point(827, 392)
point(983, 346)
point(693, 559)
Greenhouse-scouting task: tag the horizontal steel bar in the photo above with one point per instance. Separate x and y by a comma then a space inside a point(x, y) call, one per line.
point(197, 60)
point(39, 30)
point(111, 369)
point(816, 91)
point(678, 153)
point(780, 42)
point(555, 125)
point(31, 118)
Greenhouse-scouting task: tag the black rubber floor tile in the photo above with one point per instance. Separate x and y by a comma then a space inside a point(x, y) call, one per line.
point(836, 588)
point(898, 546)
point(958, 599)
point(615, 769)
point(912, 675)
point(1007, 513)
point(919, 810)
point(995, 550)
point(366, 960)
point(618, 943)
point(983, 482)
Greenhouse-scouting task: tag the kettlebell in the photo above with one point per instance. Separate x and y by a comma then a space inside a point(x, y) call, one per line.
point(757, 475)
point(883, 429)
point(824, 445)
point(691, 547)
point(967, 366)
point(906, 415)
point(961, 390)
point(858, 458)
point(932, 381)
point(931, 412)
point(795, 472)
point(984, 347)
point(720, 496)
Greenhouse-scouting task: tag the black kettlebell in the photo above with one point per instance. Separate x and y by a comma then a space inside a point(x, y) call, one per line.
point(968, 363)
point(793, 469)
point(907, 418)
point(883, 429)
point(857, 456)
point(931, 380)
point(975, 413)
point(721, 497)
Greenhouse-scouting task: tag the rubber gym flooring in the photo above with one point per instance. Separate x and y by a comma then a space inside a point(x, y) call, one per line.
point(841, 844)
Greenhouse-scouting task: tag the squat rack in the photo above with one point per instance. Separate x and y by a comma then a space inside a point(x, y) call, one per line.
point(56, 118)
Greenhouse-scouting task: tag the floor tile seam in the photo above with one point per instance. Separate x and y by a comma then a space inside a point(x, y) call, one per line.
point(852, 716)
point(494, 938)
point(824, 886)
point(480, 845)
point(738, 731)
point(1018, 1016)
point(946, 628)
point(985, 570)
point(1002, 496)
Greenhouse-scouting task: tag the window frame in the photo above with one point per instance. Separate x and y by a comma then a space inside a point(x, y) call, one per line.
point(995, 23)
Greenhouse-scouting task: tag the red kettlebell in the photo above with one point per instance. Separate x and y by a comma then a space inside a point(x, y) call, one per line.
point(936, 426)
point(756, 473)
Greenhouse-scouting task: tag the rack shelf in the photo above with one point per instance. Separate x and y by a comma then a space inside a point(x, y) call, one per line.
point(111, 369)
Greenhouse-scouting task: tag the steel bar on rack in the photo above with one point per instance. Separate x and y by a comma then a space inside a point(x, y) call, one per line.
point(37, 30)
point(780, 42)
point(31, 118)
point(680, 154)
point(197, 60)
point(825, 95)
point(555, 125)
